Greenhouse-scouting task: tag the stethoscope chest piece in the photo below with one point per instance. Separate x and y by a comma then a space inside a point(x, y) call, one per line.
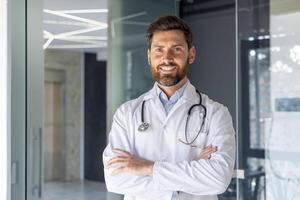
point(143, 127)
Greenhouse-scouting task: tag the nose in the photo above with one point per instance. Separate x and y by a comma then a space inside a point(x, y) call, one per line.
point(168, 56)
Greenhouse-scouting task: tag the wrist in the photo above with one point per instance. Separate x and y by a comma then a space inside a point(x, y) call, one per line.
point(150, 168)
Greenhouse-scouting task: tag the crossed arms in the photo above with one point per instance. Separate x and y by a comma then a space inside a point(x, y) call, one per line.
point(208, 174)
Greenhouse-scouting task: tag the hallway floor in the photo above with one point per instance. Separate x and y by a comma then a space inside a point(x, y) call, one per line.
point(81, 190)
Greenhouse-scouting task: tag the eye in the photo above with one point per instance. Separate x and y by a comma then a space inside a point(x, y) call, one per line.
point(178, 49)
point(157, 49)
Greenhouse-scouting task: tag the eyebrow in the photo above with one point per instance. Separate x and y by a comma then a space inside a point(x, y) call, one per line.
point(175, 45)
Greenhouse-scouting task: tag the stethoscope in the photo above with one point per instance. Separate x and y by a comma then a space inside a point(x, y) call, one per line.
point(145, 125)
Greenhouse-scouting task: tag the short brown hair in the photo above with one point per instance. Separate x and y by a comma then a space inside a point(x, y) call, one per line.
point(167, 23)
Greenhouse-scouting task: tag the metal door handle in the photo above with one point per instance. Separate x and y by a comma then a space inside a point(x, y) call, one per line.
point(37, 162)
point(40, 162)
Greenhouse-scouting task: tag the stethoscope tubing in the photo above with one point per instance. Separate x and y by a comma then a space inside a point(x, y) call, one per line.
point(202, 121)
point(145, 125)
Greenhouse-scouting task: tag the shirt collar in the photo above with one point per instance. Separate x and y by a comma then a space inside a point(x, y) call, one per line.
point(189, 92)
point(174, 97)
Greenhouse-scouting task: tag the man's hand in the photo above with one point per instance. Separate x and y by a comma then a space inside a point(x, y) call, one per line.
point(206, 153)
point(127, 162)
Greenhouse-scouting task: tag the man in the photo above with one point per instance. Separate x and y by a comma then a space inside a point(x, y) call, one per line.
point(171, 142)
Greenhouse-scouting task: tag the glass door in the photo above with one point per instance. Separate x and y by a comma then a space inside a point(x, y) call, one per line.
point(269, 58)
point(128, 72)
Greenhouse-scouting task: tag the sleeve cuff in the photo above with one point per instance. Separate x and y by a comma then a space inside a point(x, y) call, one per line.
point(155, 175)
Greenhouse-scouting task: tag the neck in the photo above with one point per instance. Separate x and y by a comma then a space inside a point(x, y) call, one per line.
point(169, 91)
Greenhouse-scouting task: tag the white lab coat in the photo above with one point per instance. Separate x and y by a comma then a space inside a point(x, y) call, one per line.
point(176, 175)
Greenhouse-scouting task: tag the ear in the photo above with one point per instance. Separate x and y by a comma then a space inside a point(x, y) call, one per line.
point(192, 54)
point(148, 56)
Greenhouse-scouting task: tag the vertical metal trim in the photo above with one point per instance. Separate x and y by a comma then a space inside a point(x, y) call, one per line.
point(40, 162)
point(26, 110)
point(237, 93)
point(9, 79)
point(82, 110)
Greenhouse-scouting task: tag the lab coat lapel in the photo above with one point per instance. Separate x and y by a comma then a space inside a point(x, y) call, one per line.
point(159, 108)
point(156, 106)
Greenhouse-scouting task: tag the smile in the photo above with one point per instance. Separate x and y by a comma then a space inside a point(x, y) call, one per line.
point(167, 68)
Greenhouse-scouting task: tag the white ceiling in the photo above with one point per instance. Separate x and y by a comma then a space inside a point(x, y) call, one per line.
point(75, 25)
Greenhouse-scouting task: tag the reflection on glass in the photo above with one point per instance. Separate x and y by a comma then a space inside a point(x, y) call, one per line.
point(128, 74)
point(282, 155)
point(75, 40)
point(128, 71)
point(273, 57)
point(259, 95)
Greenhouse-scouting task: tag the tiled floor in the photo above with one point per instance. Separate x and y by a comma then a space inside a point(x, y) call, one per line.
point(81, 190)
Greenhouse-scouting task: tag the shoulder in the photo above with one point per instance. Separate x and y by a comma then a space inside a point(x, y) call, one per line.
point(130, 107)
point(215, 110)
point(212, 105)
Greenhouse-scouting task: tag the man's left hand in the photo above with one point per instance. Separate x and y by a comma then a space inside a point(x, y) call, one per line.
point(127, 162)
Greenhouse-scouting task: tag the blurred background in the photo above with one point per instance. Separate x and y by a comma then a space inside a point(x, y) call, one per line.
point(73, 63)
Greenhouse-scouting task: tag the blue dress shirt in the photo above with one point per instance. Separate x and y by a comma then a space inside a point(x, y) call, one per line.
point(168, 103)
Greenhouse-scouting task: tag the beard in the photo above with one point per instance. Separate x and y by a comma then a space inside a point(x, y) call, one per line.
point(169, 80)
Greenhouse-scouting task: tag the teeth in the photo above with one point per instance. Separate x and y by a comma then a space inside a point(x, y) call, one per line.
point(167, 68)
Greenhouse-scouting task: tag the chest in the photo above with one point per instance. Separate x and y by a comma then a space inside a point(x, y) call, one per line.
point(162, 140)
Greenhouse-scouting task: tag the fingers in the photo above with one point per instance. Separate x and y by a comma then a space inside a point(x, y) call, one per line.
point(119, 170)
point(211, 148)
point(124, 157)
point(206, 155)
point(121, 152)
point(207, 152)
point(119, 161)
point(115, 160)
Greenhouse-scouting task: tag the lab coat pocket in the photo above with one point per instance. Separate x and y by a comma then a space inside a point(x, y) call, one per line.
point(199, 142)
point(197, 138)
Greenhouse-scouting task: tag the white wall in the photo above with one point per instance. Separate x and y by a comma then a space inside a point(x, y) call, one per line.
point(4, 105)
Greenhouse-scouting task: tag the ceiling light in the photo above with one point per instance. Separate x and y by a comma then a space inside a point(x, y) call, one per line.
point(84, 37)
point(260, 37)
point(123, 19)
point(90, 21)
point(50, 39)
point(295, 54)
point(276, 49)
point(79, 46)
point(278, 66)
point(88, 25)
point(84, 11)
point(69, 23)
point(77, 32)
point(252, 52)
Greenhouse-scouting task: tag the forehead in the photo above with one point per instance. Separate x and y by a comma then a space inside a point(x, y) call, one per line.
point(172, 36)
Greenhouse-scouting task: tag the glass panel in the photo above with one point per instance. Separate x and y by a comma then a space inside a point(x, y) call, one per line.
point(270, 95)
point(65, 153)
point(4, 102)
point(128, 72)
point(128, 75)
point(259, 95)
point(17, 49)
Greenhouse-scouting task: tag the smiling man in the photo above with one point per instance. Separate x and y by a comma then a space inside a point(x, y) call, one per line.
point(172, 142)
